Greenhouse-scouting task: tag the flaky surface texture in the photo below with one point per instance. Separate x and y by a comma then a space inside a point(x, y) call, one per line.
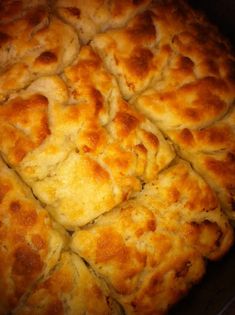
point(30, 242)
point(71, 289)
point(117, 154)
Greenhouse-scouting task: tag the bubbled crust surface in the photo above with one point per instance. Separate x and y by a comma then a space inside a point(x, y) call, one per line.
point(119, 116)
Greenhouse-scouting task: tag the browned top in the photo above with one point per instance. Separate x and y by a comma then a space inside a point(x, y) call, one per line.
point(14, 9)
point(148, 247)
point(99, 15)
point(212, 151)
point(33, 45)
point(128, 140)
point(70, 283)
point(24, 126)
point(27, 239)
point(133, 251)
point(97, 139)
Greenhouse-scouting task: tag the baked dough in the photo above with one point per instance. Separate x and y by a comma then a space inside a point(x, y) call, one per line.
point(68, 290)
point(156, 242)
point(30, 243)
point(146, 265)
point(117, 154)
point(95, 143)
point(190, 208)
point(33, 45)
point(99, 15)
point(211, 150)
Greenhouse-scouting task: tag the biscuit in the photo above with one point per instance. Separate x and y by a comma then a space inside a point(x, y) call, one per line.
point(34, 45)
point(97, 139)
point(30, 242)
point(68, 290)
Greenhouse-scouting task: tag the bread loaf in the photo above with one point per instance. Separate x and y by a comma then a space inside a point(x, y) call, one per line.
point(117, 155)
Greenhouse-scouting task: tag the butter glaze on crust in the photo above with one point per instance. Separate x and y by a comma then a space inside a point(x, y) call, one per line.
point(119, 116)
point(30, 243)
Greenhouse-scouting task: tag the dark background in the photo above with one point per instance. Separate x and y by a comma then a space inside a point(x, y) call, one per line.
point(215, 295)
point(221, 13)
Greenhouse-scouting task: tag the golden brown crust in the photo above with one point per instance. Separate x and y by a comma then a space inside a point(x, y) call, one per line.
point(146, 266)
point(99, 15)
point(132, 53)
point(34, 45)
point(158, 30)
point(193, 105)
point(147, 248)
point(11, 10)
point(190, 208)
point(30, 244)
point(16, 119)
point(219, 170)
point(71, 284)
point(211, 151)
point(108, 144)
point(99, 134)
